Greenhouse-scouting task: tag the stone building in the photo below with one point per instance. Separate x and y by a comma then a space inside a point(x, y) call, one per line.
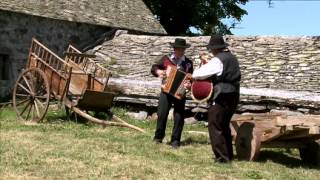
point(58, 23)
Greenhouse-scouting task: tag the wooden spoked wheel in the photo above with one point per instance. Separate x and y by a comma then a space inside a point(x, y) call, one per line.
point(31, 95)
point(248, 141)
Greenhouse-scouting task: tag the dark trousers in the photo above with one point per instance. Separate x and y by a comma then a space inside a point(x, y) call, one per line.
point(164, 106)
point(219, 117)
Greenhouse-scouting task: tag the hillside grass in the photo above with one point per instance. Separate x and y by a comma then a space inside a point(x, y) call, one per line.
point(63, 149)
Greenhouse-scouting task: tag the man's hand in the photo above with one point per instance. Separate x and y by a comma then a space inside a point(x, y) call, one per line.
point(160, 73)
point(187, 84)
point(204, 58)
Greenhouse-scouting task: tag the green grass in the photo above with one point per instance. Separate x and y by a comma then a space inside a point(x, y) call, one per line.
point(62, 149)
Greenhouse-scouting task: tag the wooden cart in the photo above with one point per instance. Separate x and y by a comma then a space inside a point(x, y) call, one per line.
point(267, 130)
point(77, 80)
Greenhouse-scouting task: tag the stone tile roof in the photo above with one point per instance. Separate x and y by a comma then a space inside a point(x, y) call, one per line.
point(123, 14)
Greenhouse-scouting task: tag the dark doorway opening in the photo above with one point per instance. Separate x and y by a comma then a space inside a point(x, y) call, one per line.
point(4, 67)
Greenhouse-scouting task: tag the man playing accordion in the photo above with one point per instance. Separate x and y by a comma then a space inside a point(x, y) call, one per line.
point(224, 72)
point(179, 61)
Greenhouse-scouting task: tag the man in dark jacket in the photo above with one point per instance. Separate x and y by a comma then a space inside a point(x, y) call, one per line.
point(179, 60)
point(224, 71)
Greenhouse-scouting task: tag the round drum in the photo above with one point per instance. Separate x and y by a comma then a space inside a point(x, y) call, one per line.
point(201, 90)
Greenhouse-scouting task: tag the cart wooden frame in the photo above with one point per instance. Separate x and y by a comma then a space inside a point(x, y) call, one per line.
point(276, 130)
point(77, 81)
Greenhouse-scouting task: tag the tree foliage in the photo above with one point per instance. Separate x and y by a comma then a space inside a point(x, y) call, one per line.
point(177, 16)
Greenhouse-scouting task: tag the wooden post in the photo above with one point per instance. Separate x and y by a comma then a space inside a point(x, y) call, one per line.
point(106, 123)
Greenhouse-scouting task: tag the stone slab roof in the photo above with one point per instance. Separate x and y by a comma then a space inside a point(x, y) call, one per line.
point(122, 14)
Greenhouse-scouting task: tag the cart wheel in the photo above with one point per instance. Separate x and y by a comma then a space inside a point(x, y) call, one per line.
point(311, 153)
point(248, 142)
point(31, 95)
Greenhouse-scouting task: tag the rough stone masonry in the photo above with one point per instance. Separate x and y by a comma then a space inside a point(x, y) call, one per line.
point(281, 68)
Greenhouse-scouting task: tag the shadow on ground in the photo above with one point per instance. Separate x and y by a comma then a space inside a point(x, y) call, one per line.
point(190, 140)
point(284, 158)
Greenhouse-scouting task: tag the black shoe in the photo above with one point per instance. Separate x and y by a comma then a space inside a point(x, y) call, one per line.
point(175, 144)
point(157, 141)
point(221, 160)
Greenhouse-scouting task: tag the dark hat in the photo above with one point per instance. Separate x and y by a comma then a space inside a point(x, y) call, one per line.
point(180, 43)
point(216, 42)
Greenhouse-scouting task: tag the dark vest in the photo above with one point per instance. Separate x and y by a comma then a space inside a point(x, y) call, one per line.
point(229, 80)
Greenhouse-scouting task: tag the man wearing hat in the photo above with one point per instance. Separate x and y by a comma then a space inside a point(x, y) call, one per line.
point(178, 59)
point(224, 71)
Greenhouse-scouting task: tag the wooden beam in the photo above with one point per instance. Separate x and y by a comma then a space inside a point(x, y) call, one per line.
point(106, 123)
point(305, 120)
point(271, 134)
point(79, 55)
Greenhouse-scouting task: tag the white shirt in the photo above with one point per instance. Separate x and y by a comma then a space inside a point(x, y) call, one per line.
point(177, 61)
point(213, 67)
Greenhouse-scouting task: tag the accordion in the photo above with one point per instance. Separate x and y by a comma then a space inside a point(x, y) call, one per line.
point(173, 82)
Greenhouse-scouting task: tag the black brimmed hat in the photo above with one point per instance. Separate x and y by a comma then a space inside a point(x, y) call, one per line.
point(180, 43)
point(216, 42)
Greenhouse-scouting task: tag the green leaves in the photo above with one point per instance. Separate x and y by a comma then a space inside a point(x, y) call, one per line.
point(177, 16)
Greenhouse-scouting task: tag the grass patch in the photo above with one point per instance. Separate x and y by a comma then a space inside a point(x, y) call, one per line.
point(62, 149)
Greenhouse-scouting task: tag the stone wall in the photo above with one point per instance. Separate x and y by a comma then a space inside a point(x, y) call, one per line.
point(16, 31)
point(282, 71)
point(277, 62)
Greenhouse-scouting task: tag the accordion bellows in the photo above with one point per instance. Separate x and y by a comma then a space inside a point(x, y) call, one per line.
point(173, 82)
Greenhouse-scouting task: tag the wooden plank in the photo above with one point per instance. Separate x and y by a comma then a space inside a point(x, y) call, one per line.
point(107, 123)
point(314, 130)
point(96, 101)
point(284, 144)
point(271, 134)
point(76, 86)
point(298, 120)
point(99, 74)
point(198, 133)
point(306, 119)
point(257, 116)
point(39, 45)
point(74, 54)
point(48, 65)
point(302, 133)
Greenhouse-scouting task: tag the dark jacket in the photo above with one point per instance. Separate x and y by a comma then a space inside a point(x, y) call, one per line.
point(229, 80)
point(165, 61)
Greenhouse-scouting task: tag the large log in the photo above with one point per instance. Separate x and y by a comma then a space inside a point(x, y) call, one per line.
point(147, 92)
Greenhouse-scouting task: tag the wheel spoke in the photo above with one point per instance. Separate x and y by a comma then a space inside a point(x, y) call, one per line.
point(31, 95)
point(37, 109)
point(42, 97)
point(23, 95)
point(24, 109)
point(21, 102)
point(24, 88)
point(29, 112)
point(32, 84)
point(40, 87)
point(27, 83)
point(33, 115)
point(39, 102)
